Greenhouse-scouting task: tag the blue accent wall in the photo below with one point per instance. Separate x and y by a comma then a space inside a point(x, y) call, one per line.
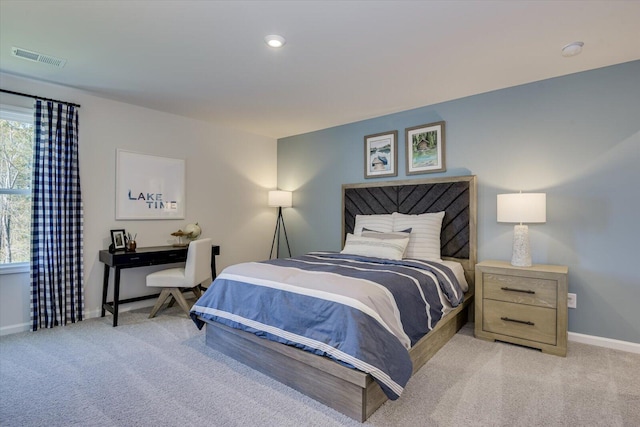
point(576, 138)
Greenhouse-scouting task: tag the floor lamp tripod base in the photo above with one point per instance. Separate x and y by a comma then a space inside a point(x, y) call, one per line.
point(276, 236)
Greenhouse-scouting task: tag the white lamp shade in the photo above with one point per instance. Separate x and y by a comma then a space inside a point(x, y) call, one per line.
point(522, 207)
point(280, 199)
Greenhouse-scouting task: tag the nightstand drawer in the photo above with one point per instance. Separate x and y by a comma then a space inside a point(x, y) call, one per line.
point(520, 321)
point(521, 290)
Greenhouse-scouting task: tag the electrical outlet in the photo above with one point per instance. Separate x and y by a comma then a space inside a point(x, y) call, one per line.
point(572, 300)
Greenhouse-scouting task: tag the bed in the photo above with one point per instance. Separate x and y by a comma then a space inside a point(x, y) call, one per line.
point(337, 384)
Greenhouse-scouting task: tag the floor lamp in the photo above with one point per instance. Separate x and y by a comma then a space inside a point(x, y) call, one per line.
point(280, 199)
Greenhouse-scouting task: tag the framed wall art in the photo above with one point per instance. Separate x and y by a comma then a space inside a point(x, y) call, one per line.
point(381, 155)
point(149, 187)
point(117, 239)
point(425, 148)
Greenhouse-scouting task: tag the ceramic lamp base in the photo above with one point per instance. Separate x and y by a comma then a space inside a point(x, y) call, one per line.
point(521, 256)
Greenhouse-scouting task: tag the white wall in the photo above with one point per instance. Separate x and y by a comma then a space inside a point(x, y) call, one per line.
point(228, 175)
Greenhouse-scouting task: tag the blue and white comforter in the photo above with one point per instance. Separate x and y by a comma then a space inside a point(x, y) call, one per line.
point(360, 311)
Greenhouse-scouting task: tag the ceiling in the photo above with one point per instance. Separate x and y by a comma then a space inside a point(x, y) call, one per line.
point(344, 61)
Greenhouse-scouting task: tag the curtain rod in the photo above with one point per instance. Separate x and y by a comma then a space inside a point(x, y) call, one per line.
point(26, 95)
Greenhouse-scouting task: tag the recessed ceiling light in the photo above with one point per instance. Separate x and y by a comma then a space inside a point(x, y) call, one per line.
point(275, 40)
point(572, 49)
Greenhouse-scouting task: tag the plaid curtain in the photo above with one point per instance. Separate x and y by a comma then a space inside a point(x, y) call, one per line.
point(57, 268)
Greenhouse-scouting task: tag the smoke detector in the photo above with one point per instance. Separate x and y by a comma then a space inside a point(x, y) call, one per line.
point(30, 55)
point(572, 49)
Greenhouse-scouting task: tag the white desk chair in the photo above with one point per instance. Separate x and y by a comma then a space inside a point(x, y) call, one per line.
point(196, 271)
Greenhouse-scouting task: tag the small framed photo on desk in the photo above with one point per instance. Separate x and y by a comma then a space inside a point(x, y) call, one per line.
point(117, 239)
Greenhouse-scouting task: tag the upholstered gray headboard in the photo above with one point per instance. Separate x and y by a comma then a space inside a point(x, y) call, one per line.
point(456, 196)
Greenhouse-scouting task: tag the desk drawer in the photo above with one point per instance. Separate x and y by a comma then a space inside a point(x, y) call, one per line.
point(521, 290)
point(141, 259)
point(520, 321)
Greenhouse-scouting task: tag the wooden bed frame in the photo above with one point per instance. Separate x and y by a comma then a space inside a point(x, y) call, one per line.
point(349, 391)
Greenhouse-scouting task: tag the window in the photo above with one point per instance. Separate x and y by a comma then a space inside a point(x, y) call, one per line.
point(16, 154)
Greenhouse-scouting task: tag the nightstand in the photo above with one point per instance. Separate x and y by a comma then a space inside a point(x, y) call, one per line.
point(522, 305)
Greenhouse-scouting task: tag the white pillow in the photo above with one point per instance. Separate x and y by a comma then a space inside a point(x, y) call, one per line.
point(383, 223)
point(375, 247)
point(425, 234)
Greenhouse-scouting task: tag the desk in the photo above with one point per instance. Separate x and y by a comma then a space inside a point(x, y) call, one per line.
point(142, 257)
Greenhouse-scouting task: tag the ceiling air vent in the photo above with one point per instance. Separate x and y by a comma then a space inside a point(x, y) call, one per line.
point(38, 57)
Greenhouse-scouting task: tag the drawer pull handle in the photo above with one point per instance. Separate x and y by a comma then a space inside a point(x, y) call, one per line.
point(173, 255)
point(133, 258)
point(524, 291)
point(506, 319)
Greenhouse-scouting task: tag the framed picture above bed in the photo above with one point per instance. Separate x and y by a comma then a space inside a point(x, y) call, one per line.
point(381, 155)
point(425, 148)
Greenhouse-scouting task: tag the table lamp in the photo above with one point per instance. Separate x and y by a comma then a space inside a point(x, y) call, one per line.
point(280, 199)
point(521, 208)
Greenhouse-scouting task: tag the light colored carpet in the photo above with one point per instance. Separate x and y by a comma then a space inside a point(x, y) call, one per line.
point(159, 372)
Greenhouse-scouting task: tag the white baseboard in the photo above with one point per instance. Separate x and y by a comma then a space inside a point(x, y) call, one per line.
point(14, 329)
point(628, 346)
point(88, 314)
